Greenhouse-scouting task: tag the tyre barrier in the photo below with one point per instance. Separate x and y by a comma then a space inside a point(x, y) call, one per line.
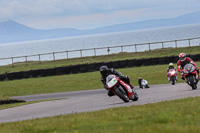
point(139, 62)
point(26, 74)
point(2, 77)
point(154, 61)
point(91, 67)
point(82, 68)
point(98, 65)
point(9, 101)
point(131, 63)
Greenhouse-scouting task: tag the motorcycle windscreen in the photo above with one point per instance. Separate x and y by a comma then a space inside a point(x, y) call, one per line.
point(144, 82)
point(188, 66)
point(111, 81)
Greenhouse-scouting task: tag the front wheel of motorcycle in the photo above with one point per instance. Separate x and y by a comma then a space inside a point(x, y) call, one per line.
point(192, 81)
point(121, 94)
point(173, 80)
point(135, 97)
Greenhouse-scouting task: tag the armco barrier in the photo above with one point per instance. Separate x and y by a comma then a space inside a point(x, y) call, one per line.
point(92, 67)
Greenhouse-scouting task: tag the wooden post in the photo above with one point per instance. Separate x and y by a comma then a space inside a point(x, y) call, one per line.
point(39, 58)
point(95, 52)
point(176, 43)
point(54, 56)
point(81, 52)
point(12, 62)
point(135, 48)
point(189, 42)
point(67, 54)
point(121, 48)
point(108, 50)
point(149, 46)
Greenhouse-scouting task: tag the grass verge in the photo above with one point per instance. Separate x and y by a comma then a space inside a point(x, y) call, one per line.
point(106, 58)
point(177, 116)
point(83, 81)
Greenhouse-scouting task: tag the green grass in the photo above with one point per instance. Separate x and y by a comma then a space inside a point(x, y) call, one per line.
point(83, 81)
point(177, 116)
point(113, 57)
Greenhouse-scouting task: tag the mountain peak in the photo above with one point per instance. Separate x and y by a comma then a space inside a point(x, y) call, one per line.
point(9, 22)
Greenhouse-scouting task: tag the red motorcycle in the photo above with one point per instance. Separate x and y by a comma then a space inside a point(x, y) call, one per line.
point(172, 75)
point(121, 89)
point(191, 76)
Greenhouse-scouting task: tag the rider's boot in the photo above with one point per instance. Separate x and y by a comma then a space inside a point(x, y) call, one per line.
point(131, 85)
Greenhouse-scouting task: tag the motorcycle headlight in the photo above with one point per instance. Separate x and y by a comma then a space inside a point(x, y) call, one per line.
point(185, 72)
point(192, 70)
point(173, 72)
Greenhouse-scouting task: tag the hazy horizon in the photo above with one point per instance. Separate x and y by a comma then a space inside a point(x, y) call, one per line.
point(83, 14)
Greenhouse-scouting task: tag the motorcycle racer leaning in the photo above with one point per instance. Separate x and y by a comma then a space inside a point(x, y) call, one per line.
point(105, 71)
point(183, 60)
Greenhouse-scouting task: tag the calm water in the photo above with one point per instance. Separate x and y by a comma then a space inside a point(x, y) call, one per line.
point(96, 41)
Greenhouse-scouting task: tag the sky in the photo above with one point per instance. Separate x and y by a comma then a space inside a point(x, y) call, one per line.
point(90, 14)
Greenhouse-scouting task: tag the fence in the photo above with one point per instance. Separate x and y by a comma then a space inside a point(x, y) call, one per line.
point(102, 51)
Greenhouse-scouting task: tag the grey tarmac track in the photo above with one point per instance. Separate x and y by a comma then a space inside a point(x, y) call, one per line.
point(85, 101)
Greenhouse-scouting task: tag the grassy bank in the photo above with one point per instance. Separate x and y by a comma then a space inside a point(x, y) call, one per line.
point(177, 116)
point(113, 57)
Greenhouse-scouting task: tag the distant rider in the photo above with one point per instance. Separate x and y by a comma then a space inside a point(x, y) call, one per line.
point(140, 81)
point(105, 71)
point(183, 60)
point(171, 66)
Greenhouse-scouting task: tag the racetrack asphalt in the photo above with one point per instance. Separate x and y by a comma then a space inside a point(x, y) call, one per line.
point(92, 100)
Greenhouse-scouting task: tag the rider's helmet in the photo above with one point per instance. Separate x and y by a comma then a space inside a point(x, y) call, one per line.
point(182, 56)
point(171, 65)
point(103, 70)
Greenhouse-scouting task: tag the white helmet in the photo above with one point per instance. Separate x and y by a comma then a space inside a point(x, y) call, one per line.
point(182, 56)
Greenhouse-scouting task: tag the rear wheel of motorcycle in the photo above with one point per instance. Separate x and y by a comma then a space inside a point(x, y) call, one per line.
point(121, 94)
point(192, 83)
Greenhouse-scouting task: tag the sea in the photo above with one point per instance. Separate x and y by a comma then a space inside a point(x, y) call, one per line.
point(70, 47)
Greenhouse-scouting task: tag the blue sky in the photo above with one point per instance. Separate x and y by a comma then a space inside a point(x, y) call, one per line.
point(89, 14)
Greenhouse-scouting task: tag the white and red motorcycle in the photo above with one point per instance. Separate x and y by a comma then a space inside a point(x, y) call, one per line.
point(121, 89)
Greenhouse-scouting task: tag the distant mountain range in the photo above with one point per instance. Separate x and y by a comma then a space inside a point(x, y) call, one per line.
point(11, 31)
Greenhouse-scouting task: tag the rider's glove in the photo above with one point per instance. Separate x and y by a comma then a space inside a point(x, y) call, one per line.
point(191, 62)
